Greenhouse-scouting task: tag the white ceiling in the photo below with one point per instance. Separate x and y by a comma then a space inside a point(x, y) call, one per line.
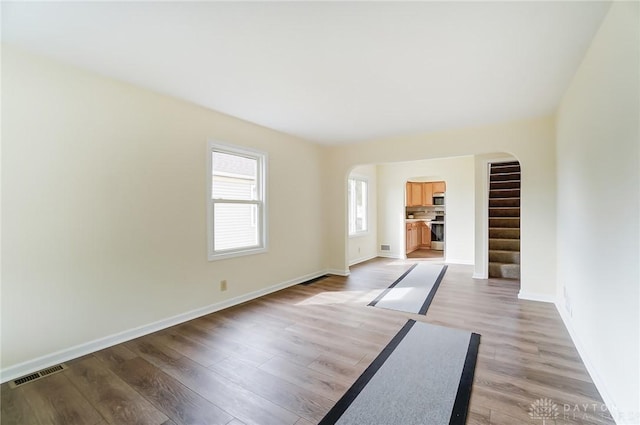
point(331, 72)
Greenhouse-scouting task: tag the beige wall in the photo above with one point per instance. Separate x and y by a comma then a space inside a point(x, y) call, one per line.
point(364, 247)
point(458, 173)
point(103, 198)
point(532, 142)
point(599, 209)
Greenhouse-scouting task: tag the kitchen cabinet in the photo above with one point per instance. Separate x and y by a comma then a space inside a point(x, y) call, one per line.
point(427, 194)
point(425, 235)
point(409, 201)
point(439, 187)
point(421, 194)
point(413, 237)
point(414, 194)
point(418, 235)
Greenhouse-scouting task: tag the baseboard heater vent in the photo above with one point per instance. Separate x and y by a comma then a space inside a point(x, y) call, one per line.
point(385, 247)
point(37, 375)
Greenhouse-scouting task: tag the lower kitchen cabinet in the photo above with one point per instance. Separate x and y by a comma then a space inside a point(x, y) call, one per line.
point(425, 235)
point(413, 237)
point(418, 235)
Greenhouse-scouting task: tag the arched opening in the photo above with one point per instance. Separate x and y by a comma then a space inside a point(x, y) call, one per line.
point(466, 210)
point(453, 177)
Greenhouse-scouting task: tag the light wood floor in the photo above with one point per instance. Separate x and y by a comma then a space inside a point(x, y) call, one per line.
point(287, 357)
point(426, 254)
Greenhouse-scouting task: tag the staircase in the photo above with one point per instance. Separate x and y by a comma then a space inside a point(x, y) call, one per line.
point(504, 220)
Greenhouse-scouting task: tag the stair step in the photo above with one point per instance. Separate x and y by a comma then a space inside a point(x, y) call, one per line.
point(508, 169)
point(504, 211)
point(510, 184)
point(504, 193)
point(505, 222)
point(504, 202)
point(505, 164)
point(504, 176)
point(504, 233)
point(504, 257)
point(504, 244)
point(504, 271)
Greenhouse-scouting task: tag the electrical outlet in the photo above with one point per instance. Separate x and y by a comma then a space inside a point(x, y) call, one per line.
point(223, 285)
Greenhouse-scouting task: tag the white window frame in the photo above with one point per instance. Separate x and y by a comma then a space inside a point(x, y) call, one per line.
point(260, 202)
point(351, 203)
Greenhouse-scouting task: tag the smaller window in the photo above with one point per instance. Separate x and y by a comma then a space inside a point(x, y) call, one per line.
point(358, 208)
point(236, 201)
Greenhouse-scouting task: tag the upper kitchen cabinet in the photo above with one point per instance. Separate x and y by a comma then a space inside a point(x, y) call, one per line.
point(439, 187)
point(414, 194)
point(427, 194)
point(421, 194)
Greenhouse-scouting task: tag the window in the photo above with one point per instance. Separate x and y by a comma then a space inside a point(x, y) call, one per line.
point(357, 196)
point(236, 201)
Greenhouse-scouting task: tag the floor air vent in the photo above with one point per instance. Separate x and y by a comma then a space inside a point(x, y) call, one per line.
point(37, 375)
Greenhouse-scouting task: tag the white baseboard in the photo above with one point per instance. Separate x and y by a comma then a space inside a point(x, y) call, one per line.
point(584, 355)
point(386, 254)
point(30, 366)
point(361, 260)
point(338, 272)
point(532, 296)
point(459, 261)
point(480, 276)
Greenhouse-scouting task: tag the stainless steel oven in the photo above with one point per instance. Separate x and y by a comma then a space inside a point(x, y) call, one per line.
point(437, 236)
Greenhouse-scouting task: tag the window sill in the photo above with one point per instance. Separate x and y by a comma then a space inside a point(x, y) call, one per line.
point(234, 254)
point(359, 235)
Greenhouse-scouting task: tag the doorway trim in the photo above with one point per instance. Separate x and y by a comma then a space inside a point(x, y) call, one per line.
point(421, 179)
point(481, 267)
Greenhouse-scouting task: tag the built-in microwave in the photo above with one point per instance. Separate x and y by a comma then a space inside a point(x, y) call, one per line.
point(438, 199)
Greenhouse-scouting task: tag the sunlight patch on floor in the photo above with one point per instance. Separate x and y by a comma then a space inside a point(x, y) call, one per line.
point(341, 297)
point(395, 294)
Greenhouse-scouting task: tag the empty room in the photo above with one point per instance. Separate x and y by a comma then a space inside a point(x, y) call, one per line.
point(295, 213)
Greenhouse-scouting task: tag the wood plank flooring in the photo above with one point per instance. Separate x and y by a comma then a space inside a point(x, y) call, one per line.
point(288, 357)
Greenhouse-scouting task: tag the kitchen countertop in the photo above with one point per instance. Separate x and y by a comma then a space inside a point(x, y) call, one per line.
point(417, 220)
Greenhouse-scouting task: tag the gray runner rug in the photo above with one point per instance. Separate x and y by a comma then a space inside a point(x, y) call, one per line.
point(423, 377)
point(414, 290)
